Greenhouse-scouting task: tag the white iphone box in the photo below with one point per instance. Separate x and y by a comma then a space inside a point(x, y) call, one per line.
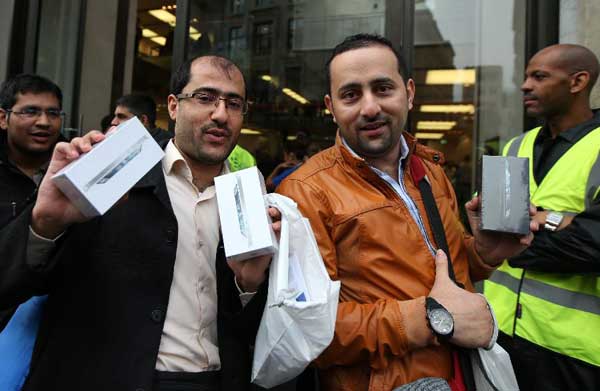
point(100, 177)
point(245, 223)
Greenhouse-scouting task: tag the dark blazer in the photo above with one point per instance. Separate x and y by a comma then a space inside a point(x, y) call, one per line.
point(108, 284)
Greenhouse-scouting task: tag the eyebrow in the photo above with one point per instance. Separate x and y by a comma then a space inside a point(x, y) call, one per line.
point(216, 91)
point(353, 85)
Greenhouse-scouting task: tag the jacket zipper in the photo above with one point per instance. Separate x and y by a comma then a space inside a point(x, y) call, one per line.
point(418, 219)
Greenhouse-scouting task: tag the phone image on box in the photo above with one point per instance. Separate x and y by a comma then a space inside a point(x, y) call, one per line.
point(116, 165)
point(240, 205)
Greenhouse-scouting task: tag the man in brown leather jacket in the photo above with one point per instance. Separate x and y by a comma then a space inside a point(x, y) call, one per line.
point(374, 236)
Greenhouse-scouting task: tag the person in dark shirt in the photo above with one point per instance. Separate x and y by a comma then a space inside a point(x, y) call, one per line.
point(30, 121)
point(547, 299)
point(143, 107)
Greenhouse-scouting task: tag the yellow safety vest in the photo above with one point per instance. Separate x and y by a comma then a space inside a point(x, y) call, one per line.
point(560, 312)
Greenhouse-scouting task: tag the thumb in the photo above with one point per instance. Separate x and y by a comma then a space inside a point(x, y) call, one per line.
point(441, 266)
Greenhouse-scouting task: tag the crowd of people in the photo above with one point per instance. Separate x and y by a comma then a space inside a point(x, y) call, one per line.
point(143, 298)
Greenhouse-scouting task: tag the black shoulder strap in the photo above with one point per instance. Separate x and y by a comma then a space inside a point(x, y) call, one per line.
point(435, 221)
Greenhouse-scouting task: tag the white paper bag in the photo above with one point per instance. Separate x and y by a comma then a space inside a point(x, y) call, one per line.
point(299, 316)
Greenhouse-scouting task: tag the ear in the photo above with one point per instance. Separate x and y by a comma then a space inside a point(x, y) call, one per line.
point(329, 105)
point(172, 106)
point(410, 92)
point(3, 119)
point(579, 81)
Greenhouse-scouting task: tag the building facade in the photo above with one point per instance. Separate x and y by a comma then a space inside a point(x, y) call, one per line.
point(467, 58)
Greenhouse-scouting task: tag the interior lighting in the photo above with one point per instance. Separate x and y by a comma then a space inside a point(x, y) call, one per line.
point(250, 131)
point(163, 16)
point(294, 95)
point(147, 33)
point(450, 76)
point(436, 125)
point(429, 136)
point(162, 41)
point(462, 109)
point(266, 78)
point(194, 33)
point(291, 138)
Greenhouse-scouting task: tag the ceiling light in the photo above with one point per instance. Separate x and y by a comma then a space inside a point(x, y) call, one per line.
point(147, 33)
point(450, 76)
point(266, 77)
point(436, 125)
point(163, 16)
point(162, 41)
point(194, 33)
point(291, 138)
point(294, 95)
point(429, 136)
point(466, 109)
point(250, 131)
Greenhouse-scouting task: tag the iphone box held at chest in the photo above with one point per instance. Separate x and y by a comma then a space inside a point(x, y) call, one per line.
point(245, 223)
point(504, 190)
point(100, 177)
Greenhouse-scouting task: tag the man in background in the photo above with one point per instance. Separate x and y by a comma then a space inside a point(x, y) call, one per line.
point(547, 299)
point(30, 121)
point(143, 107)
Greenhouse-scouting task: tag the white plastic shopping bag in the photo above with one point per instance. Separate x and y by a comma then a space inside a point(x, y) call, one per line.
point(492, 368)
point(299, 316)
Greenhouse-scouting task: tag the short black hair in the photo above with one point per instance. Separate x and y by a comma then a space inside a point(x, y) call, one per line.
point(139, 105)
point(363, 40)
point(26, 83)
point(181, 77)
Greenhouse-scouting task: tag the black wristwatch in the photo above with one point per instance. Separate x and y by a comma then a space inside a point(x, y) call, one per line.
point(440, 319)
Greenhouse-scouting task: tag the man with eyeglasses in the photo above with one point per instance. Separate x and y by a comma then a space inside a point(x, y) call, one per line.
point(30, 119)
point(143, 298)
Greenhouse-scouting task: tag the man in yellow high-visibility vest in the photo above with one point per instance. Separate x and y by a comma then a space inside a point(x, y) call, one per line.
point(547, 299)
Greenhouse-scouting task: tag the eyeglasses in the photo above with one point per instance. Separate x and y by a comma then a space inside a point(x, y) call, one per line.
point(234, 105)
point(35, 112)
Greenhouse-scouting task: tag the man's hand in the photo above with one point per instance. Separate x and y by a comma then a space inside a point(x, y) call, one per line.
point(494, 247)
point(53, 211)
point(473, 323)
point(250, 273)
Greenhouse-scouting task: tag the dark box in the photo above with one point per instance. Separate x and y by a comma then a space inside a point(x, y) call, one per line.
point(504, 190)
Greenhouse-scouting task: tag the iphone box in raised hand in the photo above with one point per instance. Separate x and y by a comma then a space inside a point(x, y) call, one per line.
point(504, 190)
point(245, 222)
point(100, 177)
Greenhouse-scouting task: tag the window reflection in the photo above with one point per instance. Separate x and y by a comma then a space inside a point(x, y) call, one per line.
point(468, 63)
point(154, 51)
point(282, 48)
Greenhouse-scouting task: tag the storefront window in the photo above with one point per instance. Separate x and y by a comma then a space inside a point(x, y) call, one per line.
point(154, 41)
point(282, 48)
point(468, 68)
point(57, 49)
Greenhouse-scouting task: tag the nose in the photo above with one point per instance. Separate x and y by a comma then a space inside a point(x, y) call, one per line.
point(369, 106)
point(219, 114)
point(43, 120)
point(115, 121)
point(526, 86)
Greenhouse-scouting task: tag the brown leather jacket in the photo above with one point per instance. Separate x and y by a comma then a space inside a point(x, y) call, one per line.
point(370, 242)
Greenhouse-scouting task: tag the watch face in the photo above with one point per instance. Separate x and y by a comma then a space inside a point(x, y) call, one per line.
point(441, 321)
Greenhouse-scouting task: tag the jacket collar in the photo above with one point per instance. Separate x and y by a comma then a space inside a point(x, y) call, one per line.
point(414, 147)
point(155, 180)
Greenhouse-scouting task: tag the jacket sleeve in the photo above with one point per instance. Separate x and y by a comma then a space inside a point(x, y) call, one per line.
point(19, 278)
point(364, 332)
point(18, 282)
point(574, 249)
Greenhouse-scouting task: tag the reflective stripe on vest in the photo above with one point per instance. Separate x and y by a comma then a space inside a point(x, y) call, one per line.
point(560, 312)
